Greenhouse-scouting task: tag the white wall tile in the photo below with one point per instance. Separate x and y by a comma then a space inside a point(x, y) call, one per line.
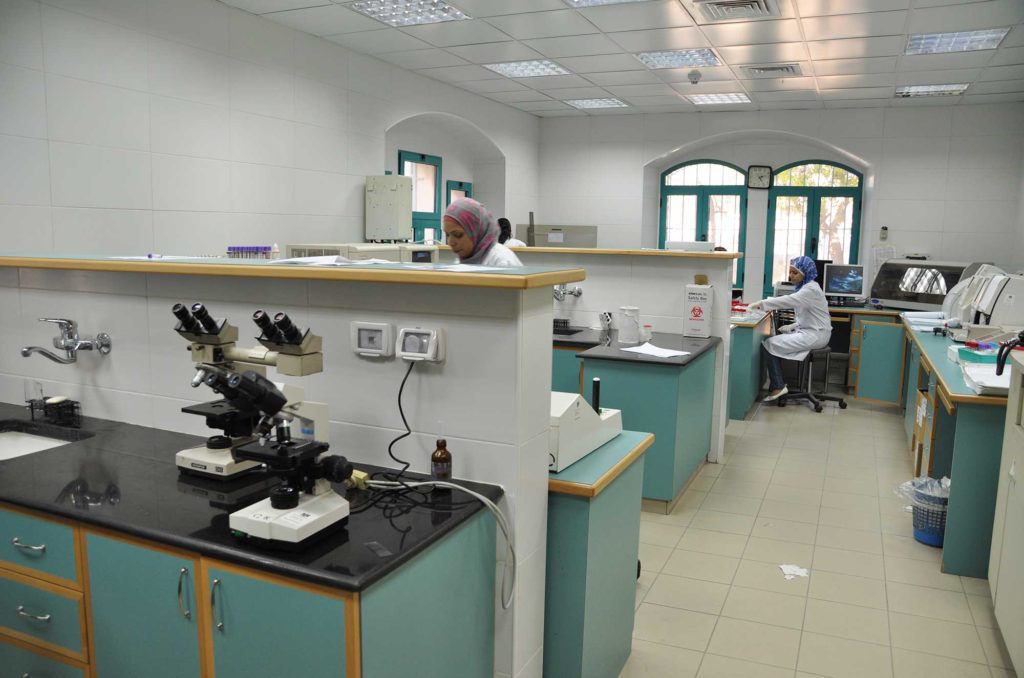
point(90, 113)
point(23, 104)
point(21, 33)
point(320, 104)
point(261, 188)
point(365, 155)
point(199, 23)
point(321, 60)
point(108, 232)
point(80, 47)
point(853, 123)
point(184, 72)
point(191, 184)
point(320, 148)
point(910, 215)
point(130, 14)
point(27, 230)
point(181, 127)
point(988, 119)
point(259, 41)
point(319, 192)
point(24, 171)
point(199, 233)
point(262, 140)
point(981, 216)
point(982, 184)
point(976, 152)
point(90, 176)
point(937, 122)
point(261, 90)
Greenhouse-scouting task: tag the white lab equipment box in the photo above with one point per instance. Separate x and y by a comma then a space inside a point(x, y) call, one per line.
point(389, 208)
point(577, 430)
point(365, 251)
point(697, 311)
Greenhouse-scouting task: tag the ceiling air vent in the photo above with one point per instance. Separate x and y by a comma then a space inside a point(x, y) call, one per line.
point(731, 10)
point(773, 71)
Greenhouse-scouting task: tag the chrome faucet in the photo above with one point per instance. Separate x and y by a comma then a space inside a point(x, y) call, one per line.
point(70, 342)
point(561, 291)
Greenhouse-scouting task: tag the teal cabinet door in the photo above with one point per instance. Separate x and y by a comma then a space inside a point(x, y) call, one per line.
point(19, 662)
point(880, 369)
point(141, 625)
point(263, 628)
point(565, 370)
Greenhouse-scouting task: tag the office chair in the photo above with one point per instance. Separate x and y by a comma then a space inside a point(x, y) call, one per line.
point(805, 373)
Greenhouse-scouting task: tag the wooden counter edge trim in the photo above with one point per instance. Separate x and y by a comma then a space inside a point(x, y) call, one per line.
point(940, 388)
point(346, 274)
point(953, 398)
point(583, 490)
point(633, 253)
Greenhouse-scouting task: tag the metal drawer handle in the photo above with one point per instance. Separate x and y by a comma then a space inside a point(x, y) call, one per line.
point(37, 617)
point(28, 547)
point(187, 614)
point(213, 605)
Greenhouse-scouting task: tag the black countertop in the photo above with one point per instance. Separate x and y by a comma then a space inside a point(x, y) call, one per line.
point(124, 478)
point(604, 345)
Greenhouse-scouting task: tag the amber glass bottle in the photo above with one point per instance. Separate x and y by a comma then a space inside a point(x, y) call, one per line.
point(441, 461)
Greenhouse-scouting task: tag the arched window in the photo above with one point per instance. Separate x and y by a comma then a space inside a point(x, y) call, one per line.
point(813, 209)
point(705, 200)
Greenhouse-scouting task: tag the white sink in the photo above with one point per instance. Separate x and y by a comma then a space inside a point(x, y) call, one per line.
point(16, 444)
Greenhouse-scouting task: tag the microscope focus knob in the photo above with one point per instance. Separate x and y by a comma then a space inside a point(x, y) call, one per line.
point(336, 469)
point(284, 497)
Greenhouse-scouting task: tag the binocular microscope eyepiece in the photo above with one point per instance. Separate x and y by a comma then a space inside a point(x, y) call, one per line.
point(280, 330)
point(197, 321)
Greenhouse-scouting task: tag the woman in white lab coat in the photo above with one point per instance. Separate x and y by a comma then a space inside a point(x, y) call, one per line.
point(506, 238)
point(812, 328)
point(472, 233)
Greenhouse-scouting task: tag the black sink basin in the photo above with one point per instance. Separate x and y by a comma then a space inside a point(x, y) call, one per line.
point(39, 428)
point(567, 331)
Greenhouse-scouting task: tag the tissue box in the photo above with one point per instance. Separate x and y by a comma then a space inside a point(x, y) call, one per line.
point(697, 310)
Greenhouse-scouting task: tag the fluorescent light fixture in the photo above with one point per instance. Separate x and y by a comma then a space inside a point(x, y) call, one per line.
point(959, 41)
point(907, 91)
point(711, 99)
point(527, 69)
point(596, 3)
point(682, 58)
point(596, 103)
point(408, 12)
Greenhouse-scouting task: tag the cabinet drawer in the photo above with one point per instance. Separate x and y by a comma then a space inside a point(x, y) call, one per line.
point(19, 662)
point(38, 545)
point(42, 613)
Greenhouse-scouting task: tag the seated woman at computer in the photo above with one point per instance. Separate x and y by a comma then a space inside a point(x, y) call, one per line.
point(812, 328)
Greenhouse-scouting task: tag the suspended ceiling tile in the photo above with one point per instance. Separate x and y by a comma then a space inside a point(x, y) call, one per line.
point(423, 58)
point(460, 73)
point(857, 48)
point(659, 39)
point(496, 52)
point(786, 95)
point(376, 42)
point(790, 105)
point(858, 93)
point(543, 24)
point(763, 54)
point(682, 107)
point(966, 17)
point(541, 105)
point(641, 90)
point(1015, 38)
point(752, 32)
point(509, 97)
point(495, 85)
point(602, 63)
point(479, 9)
point(326, 20)
point(706, 74)
point(856, 103)
point(643, 77)
point(573, 46)
point(827, 7)
point(996, 87)
point(851, 81)
point(638, 16)
point(566, 93)
point(452, 33)
point(717, 87)
point(1003, 73)
point(854, 25)
point(854, 66)
point(778, 84)
point(656, 100)
point(938, 77)
point(938, 62)
point(994, 98)
point(926, 101)
point(1008, 56)
point(554, 81)
point(264, 6)
point(571, 112)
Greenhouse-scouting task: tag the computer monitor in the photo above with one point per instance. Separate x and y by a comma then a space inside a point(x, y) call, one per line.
point(844, 280)
point(819, 265)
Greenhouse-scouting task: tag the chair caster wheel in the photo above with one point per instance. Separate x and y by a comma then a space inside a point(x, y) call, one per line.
point(818, 409)
point(842, 404)
point(781, 403)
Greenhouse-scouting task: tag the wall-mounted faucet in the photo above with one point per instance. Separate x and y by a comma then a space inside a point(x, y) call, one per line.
point(561, 291)
point(70, 342)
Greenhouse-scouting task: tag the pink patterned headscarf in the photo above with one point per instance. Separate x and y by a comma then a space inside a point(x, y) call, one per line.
point(479, 224)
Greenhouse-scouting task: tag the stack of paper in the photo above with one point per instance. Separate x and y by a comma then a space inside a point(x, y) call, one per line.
point(650, 349)
point(982, 379)
point(924, 321)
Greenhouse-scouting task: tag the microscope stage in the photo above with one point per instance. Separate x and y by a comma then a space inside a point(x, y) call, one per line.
point(292, 525)
point(212, 463)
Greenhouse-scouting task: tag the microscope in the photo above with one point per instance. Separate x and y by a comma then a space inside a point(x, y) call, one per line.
point(214, 350)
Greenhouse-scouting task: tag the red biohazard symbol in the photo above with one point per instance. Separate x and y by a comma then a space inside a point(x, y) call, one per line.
point(697, 312)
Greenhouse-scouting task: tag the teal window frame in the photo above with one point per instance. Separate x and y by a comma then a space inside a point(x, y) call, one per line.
point(452, 185)
point(703, 194)
point(814, 195)
point(422, 220)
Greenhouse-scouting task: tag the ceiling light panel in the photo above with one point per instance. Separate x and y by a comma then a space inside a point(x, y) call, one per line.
point(960, 41)
point(408, 12)
point(718, 99)
point(596, 103)
point(684, 58)
point(906, 91)
point(527, 69)
point(597, 3)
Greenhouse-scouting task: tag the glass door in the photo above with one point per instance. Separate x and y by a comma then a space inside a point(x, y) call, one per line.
point(716, 215)
point(425, 171)
point(681, 218)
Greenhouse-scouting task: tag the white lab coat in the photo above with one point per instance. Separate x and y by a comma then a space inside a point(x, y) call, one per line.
point(501, 256)
point(813, 324)
point(514, 242)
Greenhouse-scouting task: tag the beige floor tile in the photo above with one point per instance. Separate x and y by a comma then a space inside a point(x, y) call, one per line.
point(982, 612)
point(804, 481)
point(730, 503)
point(801, 513)
point(715, 666)
point(755, 642)
point(778, 552)
point(856, 502)
point(851, 485)
point(920, 573)
point(896, 546)
point(680, 517)
point(854, 519)
point(672, 626)
point(927, 602)
point(995, 648)
point(739, 488)
point(687, 594)
point(808, 456)
point(843, 658)
point(723, 522)
point(793, 495)
point(643, 585)
point(851, 467)
point(844, 588)
point(766, 607)
point(652, 660)
point(736, 426)
point(909, 664)
point(747, 475)
point(751, 461)
point(658, 534)
point(653, 558)
point(948, 639)
point(702, 483)
point(854, 443)
point(768, 577)
point(710, 470)
point(816, 468)
point(709, 541)
point(703, 566)
point(854, 563)
point(1001, 673)
point(850, 540)
point(816, 439)
point(847, 621)
point(784, 530)
point(976, 587)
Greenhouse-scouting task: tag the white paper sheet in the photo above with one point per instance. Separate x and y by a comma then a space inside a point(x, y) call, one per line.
point(328, 260)
point(647, 348)
point(982, 379)
point(791, 572)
